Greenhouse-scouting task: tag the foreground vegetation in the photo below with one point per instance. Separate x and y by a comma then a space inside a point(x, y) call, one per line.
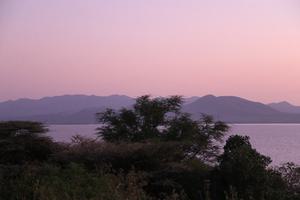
point(152, 151)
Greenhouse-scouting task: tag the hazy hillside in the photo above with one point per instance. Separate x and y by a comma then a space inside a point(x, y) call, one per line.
point(285, 107)
point(238, 110)
point(61, 109)
point(81, 109)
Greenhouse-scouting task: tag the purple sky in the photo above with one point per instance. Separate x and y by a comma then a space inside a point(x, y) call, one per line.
point(248, 48)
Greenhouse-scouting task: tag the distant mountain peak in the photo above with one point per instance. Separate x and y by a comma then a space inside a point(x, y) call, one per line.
point(209, 96)
point(283, 103)
point(234, 109)
point(286, 107)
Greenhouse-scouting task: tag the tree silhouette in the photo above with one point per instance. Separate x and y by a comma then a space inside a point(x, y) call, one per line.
point(161, 119)
point(243, 168)
point(22, 141)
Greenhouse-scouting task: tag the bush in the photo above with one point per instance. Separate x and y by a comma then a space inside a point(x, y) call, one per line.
point(48, 182)
point(22, 142)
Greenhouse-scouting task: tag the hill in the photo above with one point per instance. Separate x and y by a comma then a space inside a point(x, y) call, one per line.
point(238, 110)
point(285, 107)
point(61, 109)
point(81, 109)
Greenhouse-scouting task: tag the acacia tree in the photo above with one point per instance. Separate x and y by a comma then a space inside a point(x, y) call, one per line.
point(22, 141)
point(161, 119)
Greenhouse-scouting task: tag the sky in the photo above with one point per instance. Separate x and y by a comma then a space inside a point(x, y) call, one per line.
point(247, 48)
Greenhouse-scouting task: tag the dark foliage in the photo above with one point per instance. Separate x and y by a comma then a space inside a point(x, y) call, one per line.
point(161, 119)
point(244, 169)
point(24, 142)
point(141, 123)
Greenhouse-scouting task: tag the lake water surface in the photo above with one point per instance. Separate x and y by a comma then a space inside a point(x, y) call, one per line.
point(279, 141)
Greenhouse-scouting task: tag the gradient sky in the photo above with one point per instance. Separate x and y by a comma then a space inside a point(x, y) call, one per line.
point(247, 48)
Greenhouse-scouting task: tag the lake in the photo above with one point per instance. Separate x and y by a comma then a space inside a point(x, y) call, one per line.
point(279, 141)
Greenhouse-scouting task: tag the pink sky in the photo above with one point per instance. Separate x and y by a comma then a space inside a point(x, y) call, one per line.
point(247, 48)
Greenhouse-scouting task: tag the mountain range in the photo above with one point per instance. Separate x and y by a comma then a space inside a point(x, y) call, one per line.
point(82, 109)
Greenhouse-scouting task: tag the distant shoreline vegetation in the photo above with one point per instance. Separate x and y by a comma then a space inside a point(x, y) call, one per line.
point(139, 160)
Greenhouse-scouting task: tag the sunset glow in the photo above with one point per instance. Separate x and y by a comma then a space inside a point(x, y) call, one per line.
point(248, 48)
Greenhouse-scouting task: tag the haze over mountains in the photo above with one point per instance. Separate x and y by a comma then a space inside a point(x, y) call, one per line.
point(285, 107)
point(81, 109)
point(62, 109)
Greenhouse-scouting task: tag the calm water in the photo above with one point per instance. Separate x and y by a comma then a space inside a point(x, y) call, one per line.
point(279, 141)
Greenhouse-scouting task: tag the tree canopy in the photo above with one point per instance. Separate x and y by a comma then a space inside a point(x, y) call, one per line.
point(161, 119)
point(243, 168)
point(22, 141)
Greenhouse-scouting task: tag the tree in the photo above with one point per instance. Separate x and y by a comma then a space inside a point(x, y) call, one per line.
point(290, 173)
point(161, 119)
point(140, 123)
point(244, 169)
point(22, 141)
point(174, 148)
